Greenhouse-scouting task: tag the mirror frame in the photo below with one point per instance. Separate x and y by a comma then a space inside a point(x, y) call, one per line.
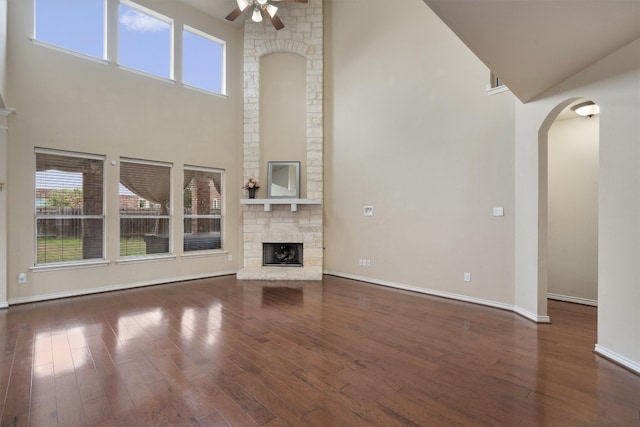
point(270, 166)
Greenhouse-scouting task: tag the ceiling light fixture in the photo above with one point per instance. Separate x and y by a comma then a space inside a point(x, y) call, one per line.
point(257, 16)
point(271, 10)
point(260, 10)
point(242, 4)
point(586, 109)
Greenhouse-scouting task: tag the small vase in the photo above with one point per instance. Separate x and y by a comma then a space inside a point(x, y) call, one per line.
point(252, 192)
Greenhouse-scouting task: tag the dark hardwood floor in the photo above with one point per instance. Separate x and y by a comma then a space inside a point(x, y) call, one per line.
point(332, 353)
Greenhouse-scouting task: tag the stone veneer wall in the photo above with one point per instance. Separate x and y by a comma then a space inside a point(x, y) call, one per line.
point(302, 35)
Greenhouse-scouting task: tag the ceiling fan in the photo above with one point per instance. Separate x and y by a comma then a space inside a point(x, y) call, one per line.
point(261, 9)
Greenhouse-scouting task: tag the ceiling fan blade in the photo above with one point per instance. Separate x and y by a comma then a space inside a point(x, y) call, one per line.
point(275, 21)
point(234, 14)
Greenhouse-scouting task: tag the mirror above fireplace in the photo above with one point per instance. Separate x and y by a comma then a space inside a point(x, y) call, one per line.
point(283, 180)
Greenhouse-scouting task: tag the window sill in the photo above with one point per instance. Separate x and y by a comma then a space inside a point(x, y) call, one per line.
point(69, 266)
point(201, 254)
point(69, 51)
point(146, 258)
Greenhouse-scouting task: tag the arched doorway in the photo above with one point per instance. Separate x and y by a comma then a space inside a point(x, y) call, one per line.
point(568, 206)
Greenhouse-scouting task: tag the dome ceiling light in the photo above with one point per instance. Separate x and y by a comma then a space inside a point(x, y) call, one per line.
point(586, 109)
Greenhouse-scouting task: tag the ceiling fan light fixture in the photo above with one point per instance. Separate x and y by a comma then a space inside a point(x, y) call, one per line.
point(242, 4)
point(261, 2)
point(586, 109)
point(256, 16)
point(271, 10)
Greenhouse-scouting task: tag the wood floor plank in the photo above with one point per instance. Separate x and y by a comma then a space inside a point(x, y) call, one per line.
point(335, 352)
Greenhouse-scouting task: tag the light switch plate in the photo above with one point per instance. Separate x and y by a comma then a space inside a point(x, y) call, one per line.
point(498, 211)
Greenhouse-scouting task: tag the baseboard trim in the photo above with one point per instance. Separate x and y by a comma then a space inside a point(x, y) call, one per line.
point(489, 303)
point(617, 359)
point(575, 300)
point(3, 305)
point(449, 295)
point(531, 316)
point(80, 292)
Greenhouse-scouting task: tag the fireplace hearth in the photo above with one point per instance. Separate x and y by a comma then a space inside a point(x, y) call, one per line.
point(282, 254)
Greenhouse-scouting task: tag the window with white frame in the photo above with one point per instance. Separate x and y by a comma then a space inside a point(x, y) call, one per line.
point(202, 60)
point(145, 40)
point(145, 201)
point(69, 207)
point(202, 209)
point(76, 25)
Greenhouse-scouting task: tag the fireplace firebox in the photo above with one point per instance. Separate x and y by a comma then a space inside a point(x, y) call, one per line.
point(282, 254)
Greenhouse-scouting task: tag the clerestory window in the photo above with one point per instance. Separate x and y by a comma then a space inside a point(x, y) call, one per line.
point(145, 40)
point(202, 61)
point(76, 25)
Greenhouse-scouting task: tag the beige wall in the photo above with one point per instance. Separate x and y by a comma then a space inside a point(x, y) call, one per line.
point(573, 209)
point(283, 113)
point(614, 84)
point(71, 103)
point(411, 131)
point(3, 47)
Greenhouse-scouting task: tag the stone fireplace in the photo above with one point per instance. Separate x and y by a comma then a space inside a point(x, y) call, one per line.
point(285, 221)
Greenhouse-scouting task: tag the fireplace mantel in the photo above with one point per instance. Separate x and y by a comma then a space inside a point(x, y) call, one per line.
point(268, 202)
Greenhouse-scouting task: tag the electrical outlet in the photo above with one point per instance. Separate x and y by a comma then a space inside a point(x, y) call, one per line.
point(467, 277)
point(368, 261)
point(360, 261)
point(22, 278)
point(230, 257)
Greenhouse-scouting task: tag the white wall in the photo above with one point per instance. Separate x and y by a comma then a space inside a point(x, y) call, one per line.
point(411, 131)
point(71, 103)
point(573, 209)
point(614, 84)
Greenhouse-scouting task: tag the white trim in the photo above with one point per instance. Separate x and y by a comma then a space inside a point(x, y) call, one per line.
point(136, 259)
point(205, 91)
point(203, 169)
point(618, 359)
point(531, 316)
point(74, 154)
point(495, 90)
point(3, 305)
point(6, 112)
point(575, 300)
point(112, 288)
point(145, 162)
point(68, 265)
point(204, 253)
point(147, 74)
point(70, 52)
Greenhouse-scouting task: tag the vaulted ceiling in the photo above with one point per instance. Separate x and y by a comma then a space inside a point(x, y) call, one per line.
point(534, 45)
